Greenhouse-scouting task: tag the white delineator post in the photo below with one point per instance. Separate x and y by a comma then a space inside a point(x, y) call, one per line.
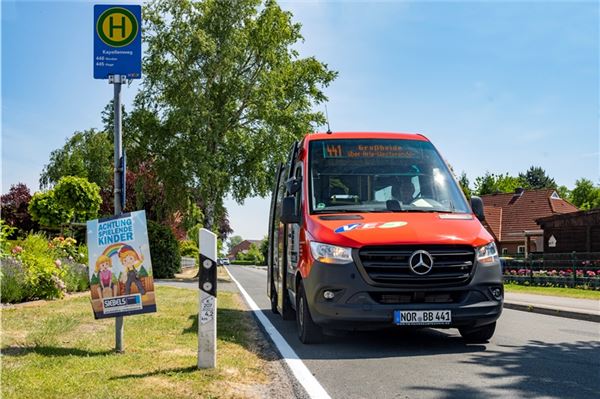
point(207, 306)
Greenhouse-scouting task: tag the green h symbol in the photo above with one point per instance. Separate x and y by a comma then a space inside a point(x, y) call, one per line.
point(112, 27)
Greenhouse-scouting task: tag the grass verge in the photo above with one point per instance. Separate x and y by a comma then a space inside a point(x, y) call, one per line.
point(57, 350)
point(553, 291)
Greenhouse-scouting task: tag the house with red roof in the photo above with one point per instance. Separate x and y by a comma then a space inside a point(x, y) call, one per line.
point(511, 218)
point(242, 247)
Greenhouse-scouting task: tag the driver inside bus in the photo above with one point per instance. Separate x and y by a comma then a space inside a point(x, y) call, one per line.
point(404, 190)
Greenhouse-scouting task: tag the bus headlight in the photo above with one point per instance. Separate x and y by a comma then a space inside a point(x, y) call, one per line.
point(330, 253)
point(487, 253)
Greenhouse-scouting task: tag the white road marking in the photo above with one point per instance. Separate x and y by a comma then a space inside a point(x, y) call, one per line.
point(303, 375)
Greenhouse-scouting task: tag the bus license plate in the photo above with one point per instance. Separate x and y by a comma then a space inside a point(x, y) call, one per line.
point(422, 317)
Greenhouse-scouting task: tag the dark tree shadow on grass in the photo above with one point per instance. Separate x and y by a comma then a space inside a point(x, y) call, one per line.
point(537, 369)
point(51, 351)
point(166, 372)
point(232, 325)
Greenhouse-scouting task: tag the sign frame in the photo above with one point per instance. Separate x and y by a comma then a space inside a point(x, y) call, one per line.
point(120, 266)
point(111, 55)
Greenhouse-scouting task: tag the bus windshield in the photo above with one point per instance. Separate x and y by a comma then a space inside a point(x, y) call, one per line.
point(381, 175)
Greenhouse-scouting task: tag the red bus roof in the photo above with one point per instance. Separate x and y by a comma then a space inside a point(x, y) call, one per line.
point(365, 135)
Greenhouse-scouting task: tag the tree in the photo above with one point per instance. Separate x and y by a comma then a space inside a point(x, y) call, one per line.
point(585, 195)
point(73, 199)
point(14, 208)
point(164, 251)
point(563, 192)
point(264, 248)
point(491, 183)
point(535, 178)
point(80, 196)
point(253, 255)
point(224, 96)
point(463, 181)
point(47, 211)
point(233, 241)
point(86, 154)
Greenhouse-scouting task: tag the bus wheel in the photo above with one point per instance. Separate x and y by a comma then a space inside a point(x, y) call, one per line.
point(478, 335)
point(308, 331)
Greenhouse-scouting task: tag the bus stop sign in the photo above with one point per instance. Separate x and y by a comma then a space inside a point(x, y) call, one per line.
point(117, 41)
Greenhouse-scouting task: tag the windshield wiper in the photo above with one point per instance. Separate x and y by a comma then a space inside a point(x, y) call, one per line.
point(429, 210)
point(327, 211)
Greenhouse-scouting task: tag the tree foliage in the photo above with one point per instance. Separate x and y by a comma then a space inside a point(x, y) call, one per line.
point(535, 178)
point(86, 154)
point(491, 183)
point(73, 199)
point(264, 248)
point(224, 96)
point(14, 208)
point(233, 241)
point(585, 195)
point(253, 254)
point(463, 181)
point(80, 196)
point(164, 250)
point(47, 211)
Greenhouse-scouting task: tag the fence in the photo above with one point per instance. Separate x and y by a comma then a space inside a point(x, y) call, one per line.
point(187, 262)
point(576, 269)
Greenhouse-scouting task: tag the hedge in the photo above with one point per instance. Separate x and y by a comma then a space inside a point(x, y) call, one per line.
point(242, 262)
point(164, 250)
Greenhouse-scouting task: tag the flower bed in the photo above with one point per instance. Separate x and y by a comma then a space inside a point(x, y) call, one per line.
point(587, 279)
point(35, 268)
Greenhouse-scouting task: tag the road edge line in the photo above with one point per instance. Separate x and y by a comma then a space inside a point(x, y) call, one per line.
point(311, 385)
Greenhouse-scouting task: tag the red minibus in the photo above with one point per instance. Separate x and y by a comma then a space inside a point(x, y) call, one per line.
point(371, 230)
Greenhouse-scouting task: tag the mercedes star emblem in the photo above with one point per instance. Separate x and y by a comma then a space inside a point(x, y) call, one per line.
point(420, 262)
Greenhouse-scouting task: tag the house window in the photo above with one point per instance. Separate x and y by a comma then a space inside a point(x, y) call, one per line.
point(504, 251)
point(521, 249)
point(554, 195)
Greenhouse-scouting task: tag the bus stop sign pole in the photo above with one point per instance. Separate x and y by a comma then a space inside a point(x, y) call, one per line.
point(117, 80)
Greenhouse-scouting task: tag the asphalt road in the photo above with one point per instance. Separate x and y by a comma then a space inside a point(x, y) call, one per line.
point(530, 356)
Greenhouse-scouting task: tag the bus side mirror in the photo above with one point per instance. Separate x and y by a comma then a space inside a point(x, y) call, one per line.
point(477, 206)
point(293, 185)
point(288, 210)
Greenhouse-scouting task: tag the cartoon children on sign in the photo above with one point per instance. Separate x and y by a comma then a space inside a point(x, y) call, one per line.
point(132, 262)
point(107, 286)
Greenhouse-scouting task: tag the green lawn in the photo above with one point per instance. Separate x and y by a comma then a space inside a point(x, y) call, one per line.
point(57, 350)
point(554, 291)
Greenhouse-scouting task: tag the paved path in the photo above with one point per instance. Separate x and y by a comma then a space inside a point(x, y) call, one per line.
point(530, 356)
point(571, 304)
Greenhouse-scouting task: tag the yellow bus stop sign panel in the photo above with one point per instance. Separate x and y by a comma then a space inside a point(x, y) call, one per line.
point(117, 27)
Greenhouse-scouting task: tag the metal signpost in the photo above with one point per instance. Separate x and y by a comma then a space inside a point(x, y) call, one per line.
point(207, 308)
point(118, 57)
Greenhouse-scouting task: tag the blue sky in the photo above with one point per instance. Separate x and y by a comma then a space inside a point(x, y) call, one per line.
point(497, 86)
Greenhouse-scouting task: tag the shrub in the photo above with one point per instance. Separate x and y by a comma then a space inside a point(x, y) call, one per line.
point(64, 247)
point(253, 255)
point(43, 268)
point(5, 232)
point(12, 281)
point(164, 250)
point(242, 262)
point(76, 276)
point(33, 271)
point(188, 248)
